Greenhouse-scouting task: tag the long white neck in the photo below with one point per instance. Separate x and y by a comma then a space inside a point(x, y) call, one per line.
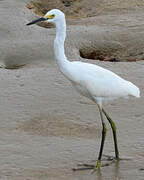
point(59, 44)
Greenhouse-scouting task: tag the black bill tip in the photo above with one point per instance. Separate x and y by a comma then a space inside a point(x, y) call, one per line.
point(36, 21)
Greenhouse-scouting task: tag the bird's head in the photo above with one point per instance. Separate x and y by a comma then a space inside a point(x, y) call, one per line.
point(52, 16)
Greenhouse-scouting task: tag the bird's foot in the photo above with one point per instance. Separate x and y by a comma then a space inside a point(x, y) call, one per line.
point(2, 66)
point(92, 166)
point(111, 158)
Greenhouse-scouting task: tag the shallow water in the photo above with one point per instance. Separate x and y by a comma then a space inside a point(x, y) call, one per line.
point(46, 128)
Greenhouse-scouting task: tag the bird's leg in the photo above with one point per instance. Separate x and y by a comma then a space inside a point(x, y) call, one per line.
point(98, 164)
point(113, 126)
point(104, 130)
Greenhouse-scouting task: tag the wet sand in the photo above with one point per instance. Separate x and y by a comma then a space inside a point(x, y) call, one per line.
point(46, 128)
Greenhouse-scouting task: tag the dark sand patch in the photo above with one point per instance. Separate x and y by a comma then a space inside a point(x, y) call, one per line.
point(60, 126)
point(84, 8)
point(101, 50)
point(77, 9)
point(29, 155)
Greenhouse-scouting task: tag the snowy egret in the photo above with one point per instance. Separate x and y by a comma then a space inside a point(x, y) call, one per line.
point(92, 81)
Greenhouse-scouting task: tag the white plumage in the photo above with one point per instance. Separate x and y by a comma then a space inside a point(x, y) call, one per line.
point(98, 83)
point(92, 81)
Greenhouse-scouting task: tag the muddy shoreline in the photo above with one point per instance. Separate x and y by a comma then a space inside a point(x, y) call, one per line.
point(46, 127)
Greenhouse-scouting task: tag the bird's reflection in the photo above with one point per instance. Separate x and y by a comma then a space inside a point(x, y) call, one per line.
point(116, 175)
point(116, 170)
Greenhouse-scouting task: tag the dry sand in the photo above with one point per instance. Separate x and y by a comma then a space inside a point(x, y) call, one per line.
point(46, 128)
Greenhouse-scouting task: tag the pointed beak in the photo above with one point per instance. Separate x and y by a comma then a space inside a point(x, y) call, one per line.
point(36, 21)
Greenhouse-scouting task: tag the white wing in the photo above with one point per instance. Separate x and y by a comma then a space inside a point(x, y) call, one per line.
point(99, 82)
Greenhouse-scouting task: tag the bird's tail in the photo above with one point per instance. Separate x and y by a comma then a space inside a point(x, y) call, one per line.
point(133, 90)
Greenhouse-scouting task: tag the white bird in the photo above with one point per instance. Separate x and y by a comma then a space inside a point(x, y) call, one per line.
point(92, 81)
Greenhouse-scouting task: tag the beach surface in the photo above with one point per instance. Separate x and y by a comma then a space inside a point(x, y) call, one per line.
point(46, 127)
